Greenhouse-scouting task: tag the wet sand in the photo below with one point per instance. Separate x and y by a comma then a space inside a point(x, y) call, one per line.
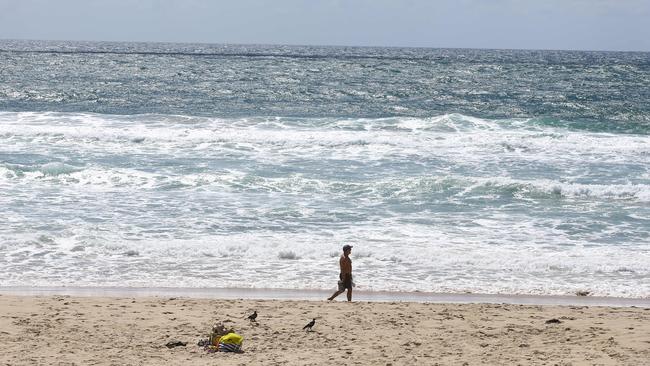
point(133, 329)
point(318, 295)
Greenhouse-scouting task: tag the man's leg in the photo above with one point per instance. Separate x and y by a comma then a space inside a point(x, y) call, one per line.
point(350, 294)
point(337, 293)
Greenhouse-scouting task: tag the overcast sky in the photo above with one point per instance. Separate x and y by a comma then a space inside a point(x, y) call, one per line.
point(528, 24)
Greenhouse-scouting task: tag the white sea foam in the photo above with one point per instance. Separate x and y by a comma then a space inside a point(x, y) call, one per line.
point(443, 131)
point(477, 145)
point(399, 188)
point(456, 203)
point(435, 262)
point(637, 192)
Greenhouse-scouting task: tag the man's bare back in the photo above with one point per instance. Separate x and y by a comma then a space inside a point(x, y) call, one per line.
point(346, 264)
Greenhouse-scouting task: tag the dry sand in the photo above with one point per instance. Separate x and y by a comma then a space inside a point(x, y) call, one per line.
point(68, 330)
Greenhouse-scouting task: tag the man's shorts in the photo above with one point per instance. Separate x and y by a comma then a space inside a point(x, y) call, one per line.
point(345, 283)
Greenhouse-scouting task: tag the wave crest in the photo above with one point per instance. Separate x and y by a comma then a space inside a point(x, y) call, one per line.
point(419, 188)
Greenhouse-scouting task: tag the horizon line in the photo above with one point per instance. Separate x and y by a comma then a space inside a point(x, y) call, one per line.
point(324, 45)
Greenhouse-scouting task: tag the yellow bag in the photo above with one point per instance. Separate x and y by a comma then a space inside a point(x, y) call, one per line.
point(232, 338)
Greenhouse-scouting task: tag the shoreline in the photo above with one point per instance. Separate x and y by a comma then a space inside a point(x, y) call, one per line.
point(321, 295)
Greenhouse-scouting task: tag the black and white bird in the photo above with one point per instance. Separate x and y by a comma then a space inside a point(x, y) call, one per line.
point(308, 326)
point(253, 316)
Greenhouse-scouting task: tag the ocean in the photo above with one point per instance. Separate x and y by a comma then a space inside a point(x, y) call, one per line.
point(220, 166)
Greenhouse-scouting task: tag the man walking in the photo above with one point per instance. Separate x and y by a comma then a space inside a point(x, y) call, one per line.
point(345, 277)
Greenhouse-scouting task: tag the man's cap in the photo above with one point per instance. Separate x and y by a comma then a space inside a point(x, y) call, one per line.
point(347, 247)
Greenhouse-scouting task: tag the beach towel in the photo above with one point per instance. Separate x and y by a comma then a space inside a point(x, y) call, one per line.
point(225, 347)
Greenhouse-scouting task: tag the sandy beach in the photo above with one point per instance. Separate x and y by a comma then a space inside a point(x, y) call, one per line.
point(94, 330)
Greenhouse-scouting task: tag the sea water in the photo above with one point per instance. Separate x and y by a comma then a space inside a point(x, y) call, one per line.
point(448, 170)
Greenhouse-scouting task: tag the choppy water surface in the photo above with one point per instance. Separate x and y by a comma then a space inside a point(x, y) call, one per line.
point(249, 166)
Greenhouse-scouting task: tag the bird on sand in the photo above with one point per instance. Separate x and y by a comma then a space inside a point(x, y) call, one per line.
point(308, 326)
point(253, 316)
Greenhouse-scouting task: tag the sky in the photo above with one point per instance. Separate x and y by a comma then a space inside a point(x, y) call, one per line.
point(616, 25)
